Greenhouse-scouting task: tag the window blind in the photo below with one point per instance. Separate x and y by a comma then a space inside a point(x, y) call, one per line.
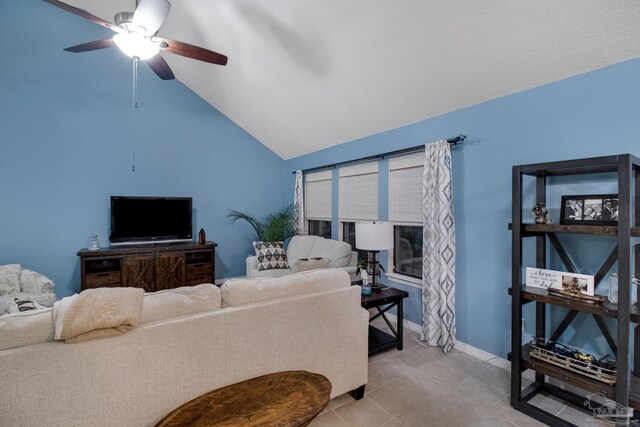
point(358, 195)
point(405, 188)
point(317, 195)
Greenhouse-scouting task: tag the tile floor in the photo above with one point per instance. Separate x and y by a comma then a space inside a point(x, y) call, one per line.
point(421, 386)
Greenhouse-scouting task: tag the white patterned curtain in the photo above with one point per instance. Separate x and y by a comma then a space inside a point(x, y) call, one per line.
point(298, 204)
point(439, 250)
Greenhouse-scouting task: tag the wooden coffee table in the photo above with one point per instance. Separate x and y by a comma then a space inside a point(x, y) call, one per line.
point(290, 398)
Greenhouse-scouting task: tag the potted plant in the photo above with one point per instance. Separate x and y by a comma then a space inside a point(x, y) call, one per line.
point(275, 227)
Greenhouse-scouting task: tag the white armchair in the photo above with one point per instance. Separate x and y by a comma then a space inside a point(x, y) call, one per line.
point(339, 254)
point(19, 282)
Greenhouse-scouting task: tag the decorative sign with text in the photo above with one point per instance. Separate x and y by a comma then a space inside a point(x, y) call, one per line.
point(562, 280)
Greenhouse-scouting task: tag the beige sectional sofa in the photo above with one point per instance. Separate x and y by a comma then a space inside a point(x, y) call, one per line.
point(190, 341)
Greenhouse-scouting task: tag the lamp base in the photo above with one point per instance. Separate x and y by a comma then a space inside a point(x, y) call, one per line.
point(376, 288)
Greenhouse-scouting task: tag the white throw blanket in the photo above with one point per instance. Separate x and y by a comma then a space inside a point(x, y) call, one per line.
point(97, 313)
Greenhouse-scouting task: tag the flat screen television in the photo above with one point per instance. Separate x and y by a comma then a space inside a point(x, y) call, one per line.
point(150, 219)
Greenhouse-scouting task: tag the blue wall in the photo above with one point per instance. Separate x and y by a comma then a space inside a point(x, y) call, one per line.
point(597, 113)
point(67, 132)
point(66, 136)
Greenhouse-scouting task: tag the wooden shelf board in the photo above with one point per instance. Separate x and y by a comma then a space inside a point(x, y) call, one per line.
point(600, 230)
point(583, 382)
point(604, 308)
point(578, 166)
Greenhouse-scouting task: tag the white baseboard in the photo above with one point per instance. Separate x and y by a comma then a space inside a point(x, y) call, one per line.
point(487, 357)
point(468, 349)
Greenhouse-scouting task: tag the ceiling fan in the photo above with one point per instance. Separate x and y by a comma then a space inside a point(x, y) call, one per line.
point(136, 36)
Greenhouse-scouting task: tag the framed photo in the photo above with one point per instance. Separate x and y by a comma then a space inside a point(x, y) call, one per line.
point(560, 280)
point(594, 209)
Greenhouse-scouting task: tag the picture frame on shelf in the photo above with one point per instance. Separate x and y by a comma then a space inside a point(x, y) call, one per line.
point(591, 209)
point(560, 280)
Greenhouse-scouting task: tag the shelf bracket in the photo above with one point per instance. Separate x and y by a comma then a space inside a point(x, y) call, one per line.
point(607, 333)
point(562, 253)
point(563, 325)
point(606, 266)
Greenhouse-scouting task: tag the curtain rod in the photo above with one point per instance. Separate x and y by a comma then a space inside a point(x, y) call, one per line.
point(454, 141)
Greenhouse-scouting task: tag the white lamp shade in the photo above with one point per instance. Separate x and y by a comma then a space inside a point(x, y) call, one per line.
point(374, 236)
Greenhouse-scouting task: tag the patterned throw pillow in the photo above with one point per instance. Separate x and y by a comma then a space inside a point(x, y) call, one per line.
point(271, 255)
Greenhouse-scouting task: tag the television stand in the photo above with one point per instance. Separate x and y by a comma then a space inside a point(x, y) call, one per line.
point(153, 267)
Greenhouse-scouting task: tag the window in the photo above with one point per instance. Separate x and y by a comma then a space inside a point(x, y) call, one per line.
point(358, 195)
point(358, 200)
point(319, 228)
point(407, 254)
point(349, 236)
point(317, 203)
point(405, 212)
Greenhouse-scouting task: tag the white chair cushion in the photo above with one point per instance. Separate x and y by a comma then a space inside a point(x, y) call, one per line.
point(35, 283)
point(180, 302)
point(299, 247)
point(312, 264)
point(26, 328)
point(237, 292)
point(10, 278)
point(338, 252)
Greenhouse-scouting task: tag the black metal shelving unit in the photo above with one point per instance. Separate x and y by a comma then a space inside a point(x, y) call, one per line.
point(626, 390)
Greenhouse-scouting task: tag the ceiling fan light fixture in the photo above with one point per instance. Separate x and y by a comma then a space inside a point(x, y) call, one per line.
point(136, 45)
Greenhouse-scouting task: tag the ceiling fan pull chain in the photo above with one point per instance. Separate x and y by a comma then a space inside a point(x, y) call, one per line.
point(133, 113)
point(135, 82)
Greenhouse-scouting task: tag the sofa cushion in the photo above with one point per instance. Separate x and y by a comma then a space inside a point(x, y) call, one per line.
point(271, 255)
point(299, 247)
point(305, 264)
point(10, 278)
point(180, 302)
point(35, 283)
point(237, 292)
point(26, 328)
point(279, 272)
point(338, 252)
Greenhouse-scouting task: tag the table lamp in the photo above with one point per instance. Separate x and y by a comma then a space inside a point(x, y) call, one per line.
point(374, 237)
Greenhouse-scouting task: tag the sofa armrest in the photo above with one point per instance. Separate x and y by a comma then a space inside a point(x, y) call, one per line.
point(252, 265)
point(353, 261)
point(352, 272)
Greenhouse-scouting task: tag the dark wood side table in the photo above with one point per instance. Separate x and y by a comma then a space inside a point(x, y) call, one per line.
point(383, 301)
point(290, 398)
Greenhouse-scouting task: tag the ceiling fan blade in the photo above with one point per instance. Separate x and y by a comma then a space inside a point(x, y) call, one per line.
point(160, 67)
point(94, 45)
point(193, 52)
point(82, 13)
point(150, 14)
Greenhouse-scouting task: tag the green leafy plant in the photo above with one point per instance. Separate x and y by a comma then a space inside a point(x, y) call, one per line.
point(276, 226)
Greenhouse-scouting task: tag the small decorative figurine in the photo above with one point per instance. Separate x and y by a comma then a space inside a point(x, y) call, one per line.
point(540, 212)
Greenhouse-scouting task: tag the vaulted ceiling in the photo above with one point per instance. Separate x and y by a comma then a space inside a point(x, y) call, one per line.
point(306, 75)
